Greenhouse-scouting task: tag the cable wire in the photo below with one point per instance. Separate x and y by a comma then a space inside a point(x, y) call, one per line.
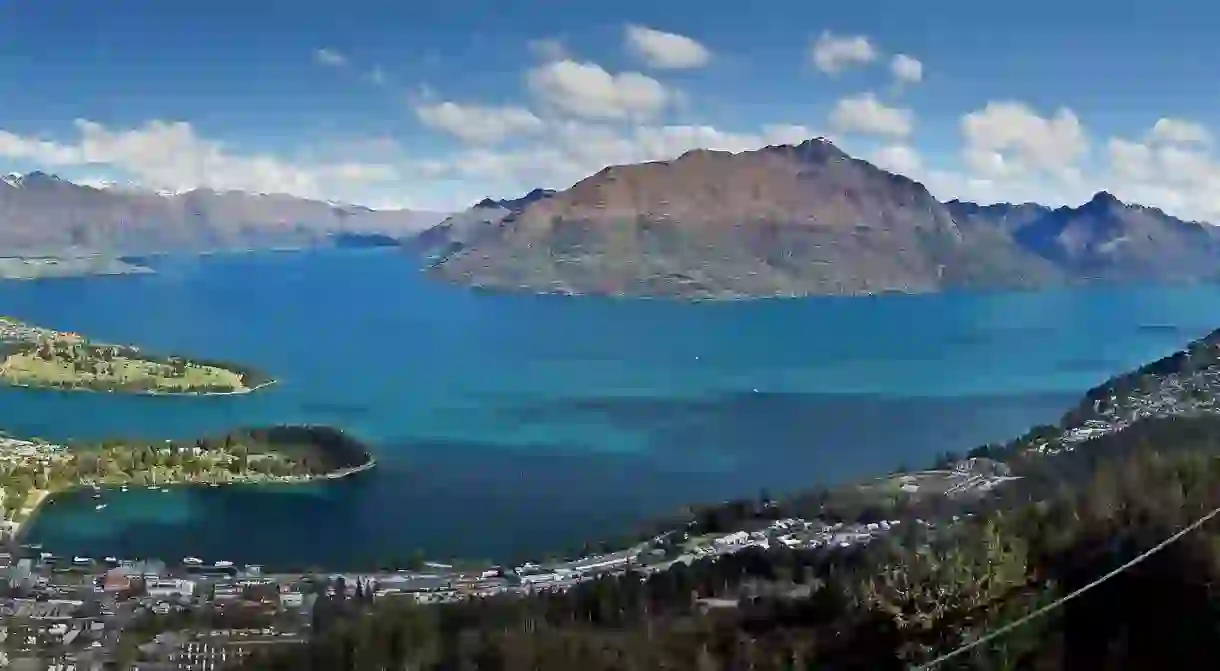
point(1055, 604)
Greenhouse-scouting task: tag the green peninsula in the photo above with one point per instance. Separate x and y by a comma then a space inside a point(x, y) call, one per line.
point(35, 356)
point(32, 469)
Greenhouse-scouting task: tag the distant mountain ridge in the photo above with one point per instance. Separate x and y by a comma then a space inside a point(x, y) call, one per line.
point(463, 229)
point(794, 220)
point(41, 212)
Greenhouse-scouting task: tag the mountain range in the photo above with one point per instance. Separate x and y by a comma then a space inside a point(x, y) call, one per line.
point(799, 220)
point(43, 213)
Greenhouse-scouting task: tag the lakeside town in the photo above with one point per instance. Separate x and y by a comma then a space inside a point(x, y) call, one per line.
point(1191, 390)
point(83, 612)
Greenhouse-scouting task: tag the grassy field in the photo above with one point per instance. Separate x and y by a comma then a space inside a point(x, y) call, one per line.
point(26, 368)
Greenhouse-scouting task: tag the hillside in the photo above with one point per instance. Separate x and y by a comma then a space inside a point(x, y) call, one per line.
point(42, 213)
point(463, 229)
point(799, 220)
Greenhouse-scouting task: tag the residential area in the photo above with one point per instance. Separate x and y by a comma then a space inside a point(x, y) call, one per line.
point(1170, 395)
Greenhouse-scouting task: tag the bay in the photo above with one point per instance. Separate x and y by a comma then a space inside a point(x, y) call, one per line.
point(515, 425)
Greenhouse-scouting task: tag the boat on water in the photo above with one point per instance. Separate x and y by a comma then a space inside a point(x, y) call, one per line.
point(97, 496)
point(163, 489)
point(224, 564)
point(100, 506)
point(123, 488)
point(81, 560)
point(192, 561)
point(111, 560)
point(151, 487)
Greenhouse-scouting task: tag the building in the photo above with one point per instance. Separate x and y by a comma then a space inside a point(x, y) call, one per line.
point(116, 580)
point(22, 574)
point(735, 538)
point(169, 588)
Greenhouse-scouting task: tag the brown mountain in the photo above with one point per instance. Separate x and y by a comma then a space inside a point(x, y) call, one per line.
point(41, 213)
point(779, 221)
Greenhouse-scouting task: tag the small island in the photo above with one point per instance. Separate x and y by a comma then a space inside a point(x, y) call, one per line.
point(32, 470)
point(34, 356)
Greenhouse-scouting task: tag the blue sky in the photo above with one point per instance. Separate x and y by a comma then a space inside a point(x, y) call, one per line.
point(435, 104)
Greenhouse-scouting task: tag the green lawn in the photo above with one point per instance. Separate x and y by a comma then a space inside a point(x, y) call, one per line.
point(29, 369)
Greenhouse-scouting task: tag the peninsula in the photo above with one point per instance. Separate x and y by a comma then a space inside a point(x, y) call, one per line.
point(62, 266)
point(31, 470)
point(34, 356)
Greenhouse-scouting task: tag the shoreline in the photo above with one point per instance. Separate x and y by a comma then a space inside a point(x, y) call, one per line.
point(40, 496)
point(190, 394)
point(29, 508)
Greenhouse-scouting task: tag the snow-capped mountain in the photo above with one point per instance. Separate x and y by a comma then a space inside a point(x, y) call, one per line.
point(39, 211)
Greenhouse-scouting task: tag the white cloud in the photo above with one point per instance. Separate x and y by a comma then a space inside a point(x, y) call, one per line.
point(898, 158)
point(330, 57)
point(1179, 131)
point(665, 51)
point(573, 150)
point(906, 70)
point(169, 155)
point(866, 115)
point(832, 54)
point(589, 91)
point(43, 153)
point(1130, 160)
point(1010, 138)
point(478, 124)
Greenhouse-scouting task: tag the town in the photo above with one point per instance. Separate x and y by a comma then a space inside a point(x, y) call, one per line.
point(85, 613)
point(1173, 394)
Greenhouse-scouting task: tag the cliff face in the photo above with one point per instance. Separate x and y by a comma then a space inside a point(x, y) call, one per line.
point(40, 212)
point(801, 220)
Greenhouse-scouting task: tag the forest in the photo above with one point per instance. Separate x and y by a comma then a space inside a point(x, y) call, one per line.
point(892, 604)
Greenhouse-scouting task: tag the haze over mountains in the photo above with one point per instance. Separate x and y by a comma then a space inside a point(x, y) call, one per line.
point(41, 213)
point(779, 221)
point(800, 220)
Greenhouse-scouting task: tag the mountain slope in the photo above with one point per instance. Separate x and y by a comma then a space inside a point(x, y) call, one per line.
point(465, 228)
point(803, 220)
point(40, 212)
point(783, 220)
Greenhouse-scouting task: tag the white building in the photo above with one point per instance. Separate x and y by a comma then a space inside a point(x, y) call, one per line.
point(735, 538)
point(164, 589)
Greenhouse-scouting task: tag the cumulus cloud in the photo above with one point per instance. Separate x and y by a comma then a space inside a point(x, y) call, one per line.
point(330, 57)
point(574, 149)
point(1010, 138)
point(1130, 160)
point(867, 115)
point(170, 155)
point(898, 158)
point(833, 54)
point(906, 70)
point(478, 124)
point(1172, 168)
point(1179, 131)
point(665, 51)
point(587, 90)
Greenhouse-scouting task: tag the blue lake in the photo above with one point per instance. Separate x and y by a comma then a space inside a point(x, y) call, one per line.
point(510, 425)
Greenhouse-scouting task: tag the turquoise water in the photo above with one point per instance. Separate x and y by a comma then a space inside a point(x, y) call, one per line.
point(518, 424)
